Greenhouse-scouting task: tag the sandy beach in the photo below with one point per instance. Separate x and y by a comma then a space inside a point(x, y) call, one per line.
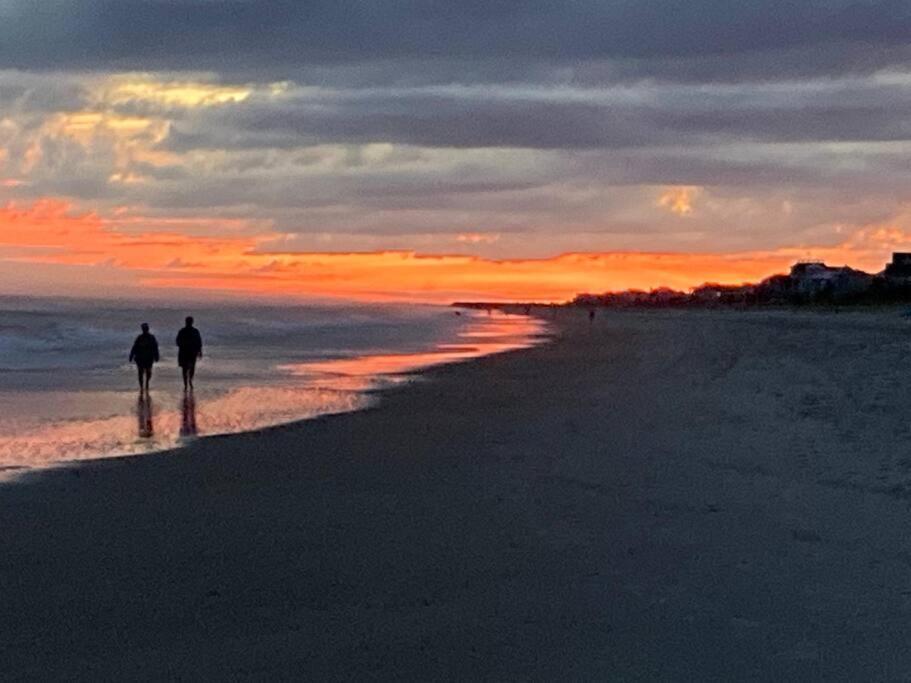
point(664, 495)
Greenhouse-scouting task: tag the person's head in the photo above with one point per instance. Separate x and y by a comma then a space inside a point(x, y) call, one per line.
point(145, 328)
point(189, 321)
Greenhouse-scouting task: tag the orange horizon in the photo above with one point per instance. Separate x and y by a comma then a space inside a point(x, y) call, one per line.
point(64, 245)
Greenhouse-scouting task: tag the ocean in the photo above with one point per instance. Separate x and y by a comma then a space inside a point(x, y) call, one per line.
point(68, 393)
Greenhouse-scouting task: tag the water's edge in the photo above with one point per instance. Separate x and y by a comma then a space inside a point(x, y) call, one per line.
point(365, 378)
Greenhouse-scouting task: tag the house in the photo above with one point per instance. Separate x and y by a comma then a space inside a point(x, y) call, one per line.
point(899, 271)
point(776, 289)
point(814, 279)
point(665, 296)
point(712, 293)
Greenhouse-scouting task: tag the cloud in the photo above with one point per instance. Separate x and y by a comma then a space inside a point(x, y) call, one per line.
point(679, 200)
point(477, 238)
point(189, 144)
point(538, 116)
point(279, 37)
point(399, 126)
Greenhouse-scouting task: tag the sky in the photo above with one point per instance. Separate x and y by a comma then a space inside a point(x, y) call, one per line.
point(430, 151)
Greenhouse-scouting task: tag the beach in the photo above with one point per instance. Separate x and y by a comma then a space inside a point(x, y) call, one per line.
point(661, 495)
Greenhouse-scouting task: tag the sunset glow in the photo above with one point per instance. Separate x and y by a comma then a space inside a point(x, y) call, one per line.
point(51, 233)
point(339, 165)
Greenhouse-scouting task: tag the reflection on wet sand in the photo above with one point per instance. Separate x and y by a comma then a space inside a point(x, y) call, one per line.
point(188, 416)
point(144, 416)
point(165, 424)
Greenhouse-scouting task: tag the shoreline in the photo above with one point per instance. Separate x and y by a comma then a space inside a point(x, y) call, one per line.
point(398, 382)
point(656, 496)
point(304, 391)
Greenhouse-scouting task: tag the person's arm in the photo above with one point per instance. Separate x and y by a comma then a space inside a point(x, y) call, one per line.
point(200, 344)
point(133, 352)
point(155, 350)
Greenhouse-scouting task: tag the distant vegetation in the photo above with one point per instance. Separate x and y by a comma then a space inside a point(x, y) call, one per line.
point(808, 283)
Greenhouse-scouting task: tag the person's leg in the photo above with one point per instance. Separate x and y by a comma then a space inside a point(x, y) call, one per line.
point(186, 379)
point(191, 371)
point(140, 372)
point(148, 377)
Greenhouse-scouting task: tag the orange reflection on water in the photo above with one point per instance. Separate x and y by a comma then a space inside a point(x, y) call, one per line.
point(505, 333)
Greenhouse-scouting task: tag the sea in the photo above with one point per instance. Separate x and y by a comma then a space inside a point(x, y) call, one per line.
point(68, 392)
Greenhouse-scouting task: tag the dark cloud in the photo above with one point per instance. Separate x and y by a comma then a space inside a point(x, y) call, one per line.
point(537, 118)
point(289, 189)
point(27, 93)
point(280, 37)
point(425, 120)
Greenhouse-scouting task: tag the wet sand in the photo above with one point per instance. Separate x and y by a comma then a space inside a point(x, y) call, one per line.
point(663, 495)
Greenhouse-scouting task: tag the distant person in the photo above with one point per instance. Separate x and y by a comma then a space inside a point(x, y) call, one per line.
point(189, 350)
point(145, 354)
point(591, 316)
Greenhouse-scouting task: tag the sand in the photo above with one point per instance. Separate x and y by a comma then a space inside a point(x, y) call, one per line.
point(691, 495)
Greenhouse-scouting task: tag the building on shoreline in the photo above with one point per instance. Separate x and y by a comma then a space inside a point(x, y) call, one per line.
point(815, 279)
point(899, 270)
point(808, 282)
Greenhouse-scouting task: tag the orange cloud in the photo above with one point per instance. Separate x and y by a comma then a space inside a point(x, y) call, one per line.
point(49, 232)
point(679, 200)
point(129, 88)
point(46, 223)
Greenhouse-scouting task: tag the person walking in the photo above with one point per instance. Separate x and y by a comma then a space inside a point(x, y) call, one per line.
point(145, 354)
point(189, 350)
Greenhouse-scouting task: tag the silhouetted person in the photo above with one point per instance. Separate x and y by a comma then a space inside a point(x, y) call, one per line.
point(591, 316)
point(189, 350)
point(144, 417)
point(145, 354)
point(188, 416)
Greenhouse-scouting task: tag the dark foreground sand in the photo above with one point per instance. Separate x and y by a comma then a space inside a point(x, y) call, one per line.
point(667, 496)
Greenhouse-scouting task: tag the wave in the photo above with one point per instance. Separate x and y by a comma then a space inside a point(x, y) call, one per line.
point(91, 338)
